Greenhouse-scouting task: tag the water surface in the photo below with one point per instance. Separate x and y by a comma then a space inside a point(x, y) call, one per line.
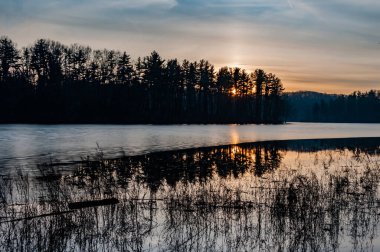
point(25, 145)
point(302, 195)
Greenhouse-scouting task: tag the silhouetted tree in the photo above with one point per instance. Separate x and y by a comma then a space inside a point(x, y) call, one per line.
point(8, 57)
point(224, 80)
point(259, 78)
point(76, 62)
point(125, 72)
point(153, 70)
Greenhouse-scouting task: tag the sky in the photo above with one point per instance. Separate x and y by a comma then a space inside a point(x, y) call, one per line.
point(330, 46)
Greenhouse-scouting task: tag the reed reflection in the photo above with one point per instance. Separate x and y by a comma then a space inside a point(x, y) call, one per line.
point(314, 195)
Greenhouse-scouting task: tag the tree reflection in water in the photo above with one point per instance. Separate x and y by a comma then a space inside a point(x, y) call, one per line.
point(317, 195)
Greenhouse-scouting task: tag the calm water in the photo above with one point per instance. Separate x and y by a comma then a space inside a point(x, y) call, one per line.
point(303, 195)
point(22, 146)
point(215, 190)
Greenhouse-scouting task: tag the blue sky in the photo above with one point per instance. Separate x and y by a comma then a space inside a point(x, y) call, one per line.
point(322, 45)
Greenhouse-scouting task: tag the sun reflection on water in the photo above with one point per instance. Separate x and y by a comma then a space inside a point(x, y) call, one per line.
point(234, 134)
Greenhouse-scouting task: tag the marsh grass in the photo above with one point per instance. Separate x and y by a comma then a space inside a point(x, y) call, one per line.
point(233, 198)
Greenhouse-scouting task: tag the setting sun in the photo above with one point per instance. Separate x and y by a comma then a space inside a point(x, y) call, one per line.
point(233, 91)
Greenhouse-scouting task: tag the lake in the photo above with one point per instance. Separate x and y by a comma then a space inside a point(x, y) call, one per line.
point(190, 188)
point(23, 146)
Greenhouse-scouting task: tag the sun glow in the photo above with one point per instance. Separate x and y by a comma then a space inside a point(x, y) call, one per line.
point(233, 91)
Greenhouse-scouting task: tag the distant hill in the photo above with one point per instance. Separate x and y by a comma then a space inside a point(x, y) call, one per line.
point(300, 104)
point(309, 106)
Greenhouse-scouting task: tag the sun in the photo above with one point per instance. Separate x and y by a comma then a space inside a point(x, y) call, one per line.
point(233, 91)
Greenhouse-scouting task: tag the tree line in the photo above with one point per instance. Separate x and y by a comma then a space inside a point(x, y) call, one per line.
point(356, 107)
point(49, 82)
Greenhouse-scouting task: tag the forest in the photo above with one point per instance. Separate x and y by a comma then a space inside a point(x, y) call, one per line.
point(357, 107)
point(48, 82)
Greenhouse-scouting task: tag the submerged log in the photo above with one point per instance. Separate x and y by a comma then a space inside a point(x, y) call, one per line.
point(93, 203)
